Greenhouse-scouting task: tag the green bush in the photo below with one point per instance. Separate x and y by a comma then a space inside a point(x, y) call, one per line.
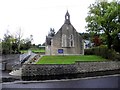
point(88, 52)
point(104, 52)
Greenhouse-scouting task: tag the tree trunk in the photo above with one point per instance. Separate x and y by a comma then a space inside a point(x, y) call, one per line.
point(109, 41)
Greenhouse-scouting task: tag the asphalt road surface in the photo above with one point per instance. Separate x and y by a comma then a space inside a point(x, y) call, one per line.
point(103, 82)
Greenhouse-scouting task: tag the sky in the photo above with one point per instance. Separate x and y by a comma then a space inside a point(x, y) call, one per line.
point(36, 17)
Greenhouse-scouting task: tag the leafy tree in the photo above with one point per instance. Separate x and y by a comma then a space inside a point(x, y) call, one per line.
point(15, 43)
point(104, 17)
point(85, 36)
point(25, 44)
point(8, 44)
point(116, 43)
point(97, 41)
point(31, 38)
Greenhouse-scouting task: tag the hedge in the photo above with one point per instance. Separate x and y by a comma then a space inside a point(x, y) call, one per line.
point(104, 52)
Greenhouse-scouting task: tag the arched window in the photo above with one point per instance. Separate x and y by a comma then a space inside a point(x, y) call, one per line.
point(71, 41)
point(71, 37)
point(64, 42)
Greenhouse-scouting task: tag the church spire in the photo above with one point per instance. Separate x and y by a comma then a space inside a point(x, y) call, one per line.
point(67, 18)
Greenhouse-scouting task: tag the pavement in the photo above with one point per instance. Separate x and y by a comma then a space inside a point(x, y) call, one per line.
point(5, 74)
point(16, 72)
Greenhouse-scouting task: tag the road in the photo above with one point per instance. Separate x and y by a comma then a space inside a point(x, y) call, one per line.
point(103, 82)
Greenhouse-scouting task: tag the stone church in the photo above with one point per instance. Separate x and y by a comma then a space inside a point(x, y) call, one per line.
point(66, 41)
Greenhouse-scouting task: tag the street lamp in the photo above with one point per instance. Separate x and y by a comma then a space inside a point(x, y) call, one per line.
point(119, 36)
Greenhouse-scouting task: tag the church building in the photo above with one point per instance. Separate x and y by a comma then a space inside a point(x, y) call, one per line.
point(67, 41)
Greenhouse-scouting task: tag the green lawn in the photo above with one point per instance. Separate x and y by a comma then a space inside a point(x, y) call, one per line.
point(34, 50)
point(68, 59)
point(38, 50)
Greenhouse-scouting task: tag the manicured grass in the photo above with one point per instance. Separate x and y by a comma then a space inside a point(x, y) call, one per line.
point(38, 50)
point(34, 50)
point(68, 59)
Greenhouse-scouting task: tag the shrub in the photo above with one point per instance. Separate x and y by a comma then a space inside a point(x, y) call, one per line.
point(88, 52)
point(104, 52)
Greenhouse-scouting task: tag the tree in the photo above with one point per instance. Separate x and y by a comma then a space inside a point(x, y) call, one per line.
point(97, 41)
point(25, 44)
point(104, 18)
point(14, 43)
point(85, 36)
point(19, 35)
point(116, 43)
point(8, 44)
point(31, 38)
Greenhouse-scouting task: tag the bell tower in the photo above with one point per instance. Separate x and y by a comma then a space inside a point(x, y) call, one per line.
point(67, 18)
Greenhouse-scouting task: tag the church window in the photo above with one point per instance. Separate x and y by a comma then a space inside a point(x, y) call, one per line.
point(64, 42)
point(71, 41)
point(71, 36)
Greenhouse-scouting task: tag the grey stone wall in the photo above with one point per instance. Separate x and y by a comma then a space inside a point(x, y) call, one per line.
point(78, 67)
point(57, 41)
point(34, 69)
point(97, 66)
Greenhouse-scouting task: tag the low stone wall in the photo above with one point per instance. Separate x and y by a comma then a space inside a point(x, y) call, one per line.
point(97, 66)
point(35, 69)
point(78, 67)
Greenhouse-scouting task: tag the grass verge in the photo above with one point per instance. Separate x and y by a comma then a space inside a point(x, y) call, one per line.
point(35, 51)
point(71, 59)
